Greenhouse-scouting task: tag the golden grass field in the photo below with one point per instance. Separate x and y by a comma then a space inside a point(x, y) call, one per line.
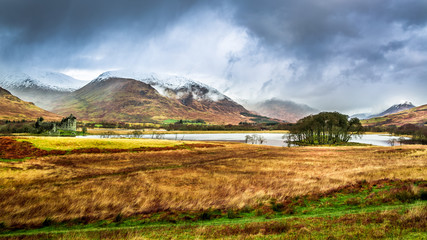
point(68, 143)
point(228, 176)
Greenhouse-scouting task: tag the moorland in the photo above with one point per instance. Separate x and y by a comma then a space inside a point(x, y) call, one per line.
point(72, 188)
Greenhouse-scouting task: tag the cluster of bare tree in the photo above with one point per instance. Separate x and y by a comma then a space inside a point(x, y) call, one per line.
point(255, 139)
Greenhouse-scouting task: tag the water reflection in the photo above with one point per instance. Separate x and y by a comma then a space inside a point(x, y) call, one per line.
point(272, 139)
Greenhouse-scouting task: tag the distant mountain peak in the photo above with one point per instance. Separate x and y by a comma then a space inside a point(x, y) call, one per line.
point(282, 109)
point(406, 103)
point(394, 109)
point(414, 115)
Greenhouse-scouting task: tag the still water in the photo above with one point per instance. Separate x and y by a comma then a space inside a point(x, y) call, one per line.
point(272, 139)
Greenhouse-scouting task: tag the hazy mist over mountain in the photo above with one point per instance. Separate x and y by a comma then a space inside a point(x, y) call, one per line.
point(352, 56)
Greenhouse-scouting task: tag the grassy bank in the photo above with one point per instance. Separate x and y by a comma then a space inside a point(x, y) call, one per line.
point(383, 209)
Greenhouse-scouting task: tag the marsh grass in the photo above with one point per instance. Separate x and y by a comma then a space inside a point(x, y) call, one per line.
point(216, 182)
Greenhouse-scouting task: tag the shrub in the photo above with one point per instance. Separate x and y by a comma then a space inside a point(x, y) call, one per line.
point(404, 194)
point(231, 214)
point(48, 222)
point(209, 214)
point(277, 207)
point(118, 218)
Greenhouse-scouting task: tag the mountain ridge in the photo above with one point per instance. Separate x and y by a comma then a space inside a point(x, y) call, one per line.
point(415, 115)
point(393, 109)
point(168, 85)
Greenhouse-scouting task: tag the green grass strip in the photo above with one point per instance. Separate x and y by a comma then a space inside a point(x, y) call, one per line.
point(215, 222)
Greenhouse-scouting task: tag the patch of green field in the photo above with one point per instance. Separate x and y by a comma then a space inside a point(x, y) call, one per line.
point(185, 122)
point(11, 160)
point(67, 143)
point(170, 121)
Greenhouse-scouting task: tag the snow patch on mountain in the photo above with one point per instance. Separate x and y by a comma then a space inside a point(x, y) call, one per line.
point(169, 85)
point(40, 79)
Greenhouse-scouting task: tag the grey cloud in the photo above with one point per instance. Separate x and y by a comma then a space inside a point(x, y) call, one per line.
point(318, 31)
point(393, 46)
point(309, 51)
point(266, 85)
point(65, 27)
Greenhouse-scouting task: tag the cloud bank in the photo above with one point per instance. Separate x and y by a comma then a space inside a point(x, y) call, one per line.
point(348, 56)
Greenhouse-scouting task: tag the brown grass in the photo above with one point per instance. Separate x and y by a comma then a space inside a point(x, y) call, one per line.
point(100, 186)
point(11, 148)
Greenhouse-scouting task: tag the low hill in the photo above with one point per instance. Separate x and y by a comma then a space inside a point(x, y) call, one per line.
point(415, 115)
point(109, 98)
point(13, 108)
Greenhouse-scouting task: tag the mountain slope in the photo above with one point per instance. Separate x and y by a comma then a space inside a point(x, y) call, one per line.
point(40, 87)
point(415, 115)
point(13, 108)
point(128, 100)
point(285, 110)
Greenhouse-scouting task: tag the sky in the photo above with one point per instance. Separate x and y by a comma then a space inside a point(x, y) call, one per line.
point(350, 56)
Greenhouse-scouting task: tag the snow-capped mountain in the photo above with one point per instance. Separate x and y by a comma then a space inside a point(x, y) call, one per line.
point(169, 85)
point(114, 97)
point(413, 115)
point(394, 109)
point(41, 79)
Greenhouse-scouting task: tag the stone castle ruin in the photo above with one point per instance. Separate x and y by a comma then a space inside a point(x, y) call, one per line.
point(67, 124)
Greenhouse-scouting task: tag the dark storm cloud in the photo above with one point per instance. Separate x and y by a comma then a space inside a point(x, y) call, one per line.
point(70, 26)
point(40, 20)
point(312, 26)
point(311, 51)
point(342, 45)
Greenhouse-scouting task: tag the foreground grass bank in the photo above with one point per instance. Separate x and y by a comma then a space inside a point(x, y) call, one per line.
point(221, 191)
point(379, 209)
